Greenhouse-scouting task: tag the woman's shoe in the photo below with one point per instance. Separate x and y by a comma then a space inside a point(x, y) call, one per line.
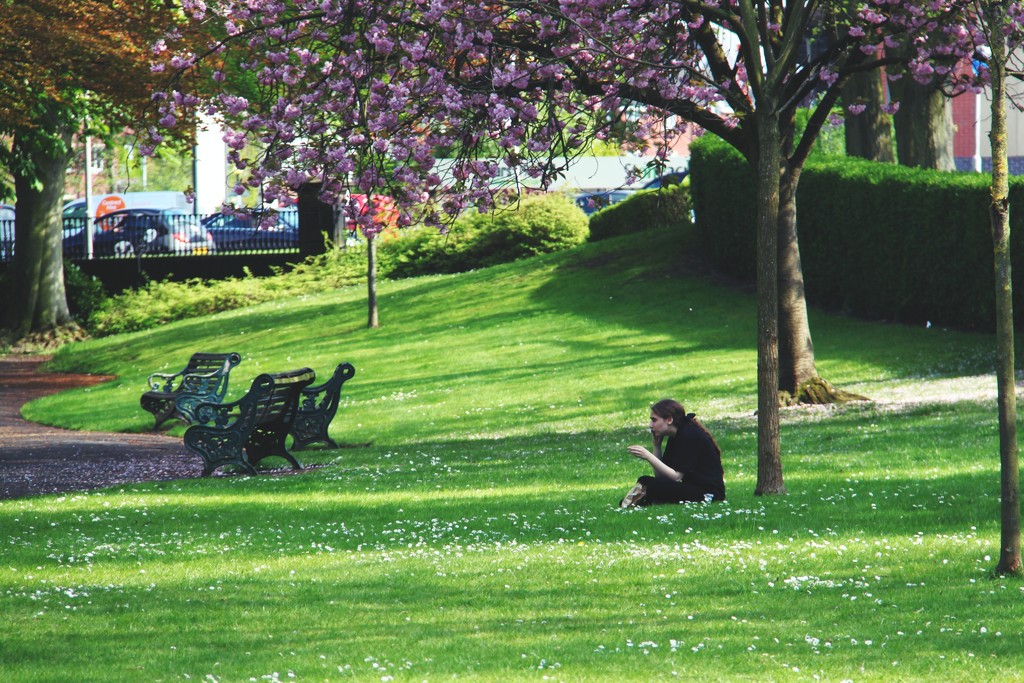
point(634, 496)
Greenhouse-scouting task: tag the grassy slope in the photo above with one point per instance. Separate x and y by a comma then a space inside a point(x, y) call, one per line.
point(477, 537)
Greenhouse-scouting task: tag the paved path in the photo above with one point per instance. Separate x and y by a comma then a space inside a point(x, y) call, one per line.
point(35, 459)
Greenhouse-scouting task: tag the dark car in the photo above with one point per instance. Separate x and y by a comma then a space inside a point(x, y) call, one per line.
point(140, 231)
point(254, 231)
point(673, 178)
point(595, 201)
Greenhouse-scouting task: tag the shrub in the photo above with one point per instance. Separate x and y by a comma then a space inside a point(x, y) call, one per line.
point(668, 207)
point(537, 224)
point(85, 292)
point(541, 224)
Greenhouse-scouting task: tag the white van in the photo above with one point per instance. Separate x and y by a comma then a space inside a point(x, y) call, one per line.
point(102, 204)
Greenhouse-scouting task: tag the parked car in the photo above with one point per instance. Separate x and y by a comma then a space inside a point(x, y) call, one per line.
point(673, 178)
point(136, 231)
point(6, 231)
point(595, 201)
point(102, 204)
point(355, 207)
point(247, 232)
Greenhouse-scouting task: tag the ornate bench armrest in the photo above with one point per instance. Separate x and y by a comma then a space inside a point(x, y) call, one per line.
point(162, 381)
point(205, 383)
point(218, 414)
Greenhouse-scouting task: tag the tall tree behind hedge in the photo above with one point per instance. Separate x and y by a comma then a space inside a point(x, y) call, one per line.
point(868, 135)
point(924, 126)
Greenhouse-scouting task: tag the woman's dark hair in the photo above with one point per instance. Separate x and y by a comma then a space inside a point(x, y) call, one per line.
point(670, 408)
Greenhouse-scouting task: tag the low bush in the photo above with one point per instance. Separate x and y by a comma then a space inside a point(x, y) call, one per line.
point(85, 292)
point(537, 224)
point(668, 207)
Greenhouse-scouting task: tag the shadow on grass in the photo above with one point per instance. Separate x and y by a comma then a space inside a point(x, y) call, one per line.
point(659, 284)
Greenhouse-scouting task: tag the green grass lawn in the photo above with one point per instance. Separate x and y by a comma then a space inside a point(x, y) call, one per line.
point(477, 537)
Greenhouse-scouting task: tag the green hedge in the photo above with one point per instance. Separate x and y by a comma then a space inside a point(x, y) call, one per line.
point(668, 207)
point(879, 240)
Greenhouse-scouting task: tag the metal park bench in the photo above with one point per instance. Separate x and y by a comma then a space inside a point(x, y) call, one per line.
point(254, 427)
point(203, 380)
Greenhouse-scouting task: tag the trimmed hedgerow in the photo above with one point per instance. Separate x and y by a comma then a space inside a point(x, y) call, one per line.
point(879, 240)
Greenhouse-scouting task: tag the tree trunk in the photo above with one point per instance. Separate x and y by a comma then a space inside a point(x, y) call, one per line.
point(768, 167)
point(924, 127)
point(1009, 548)
point(371, 280)
point(868, 134)
point(796, 350)
point(38, 265)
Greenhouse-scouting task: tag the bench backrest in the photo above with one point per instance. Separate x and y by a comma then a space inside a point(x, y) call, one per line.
point(218, 364)
point(205, 378)
point(201, 363)
point(275, 397)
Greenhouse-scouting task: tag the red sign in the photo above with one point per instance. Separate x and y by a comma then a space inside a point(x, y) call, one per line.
point(108, 204)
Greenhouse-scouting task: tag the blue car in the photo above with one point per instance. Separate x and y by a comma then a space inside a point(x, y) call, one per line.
point(673, 178)
point(595, 201)
point(131, 232)
point(250, 232)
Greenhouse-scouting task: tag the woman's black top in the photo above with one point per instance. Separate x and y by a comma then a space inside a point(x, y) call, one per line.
point(694, 453)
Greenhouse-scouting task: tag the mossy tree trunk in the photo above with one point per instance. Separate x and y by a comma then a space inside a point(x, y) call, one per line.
point(924, 127)
point(796, 350)
point(38, 167)
point(999, 210)
point(768, 166)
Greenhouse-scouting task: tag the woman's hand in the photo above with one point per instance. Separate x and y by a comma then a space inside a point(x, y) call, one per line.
point(641, 452)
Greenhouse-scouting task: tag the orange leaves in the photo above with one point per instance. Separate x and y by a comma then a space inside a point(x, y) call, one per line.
point(60, 50)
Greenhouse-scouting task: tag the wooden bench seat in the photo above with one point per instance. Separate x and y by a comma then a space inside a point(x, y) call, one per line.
point(203, 380)
point(254, 427)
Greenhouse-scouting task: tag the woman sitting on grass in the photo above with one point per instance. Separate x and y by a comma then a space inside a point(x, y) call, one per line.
point(689, 469)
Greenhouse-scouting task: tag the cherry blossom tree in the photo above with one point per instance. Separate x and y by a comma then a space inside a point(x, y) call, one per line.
point(360, 93)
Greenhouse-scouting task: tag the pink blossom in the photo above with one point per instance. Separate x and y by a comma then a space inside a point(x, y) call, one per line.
point(361, 93)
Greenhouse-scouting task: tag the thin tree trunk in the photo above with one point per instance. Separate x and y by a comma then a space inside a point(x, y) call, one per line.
point(796, 350)
point(1009, 548)
point(768, 166)
point(38, 265)
point(924, 127)
point(868, 135)
point(371, 280)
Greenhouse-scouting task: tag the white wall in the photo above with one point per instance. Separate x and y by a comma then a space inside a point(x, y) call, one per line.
point(588, 174)
point(211, 170)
